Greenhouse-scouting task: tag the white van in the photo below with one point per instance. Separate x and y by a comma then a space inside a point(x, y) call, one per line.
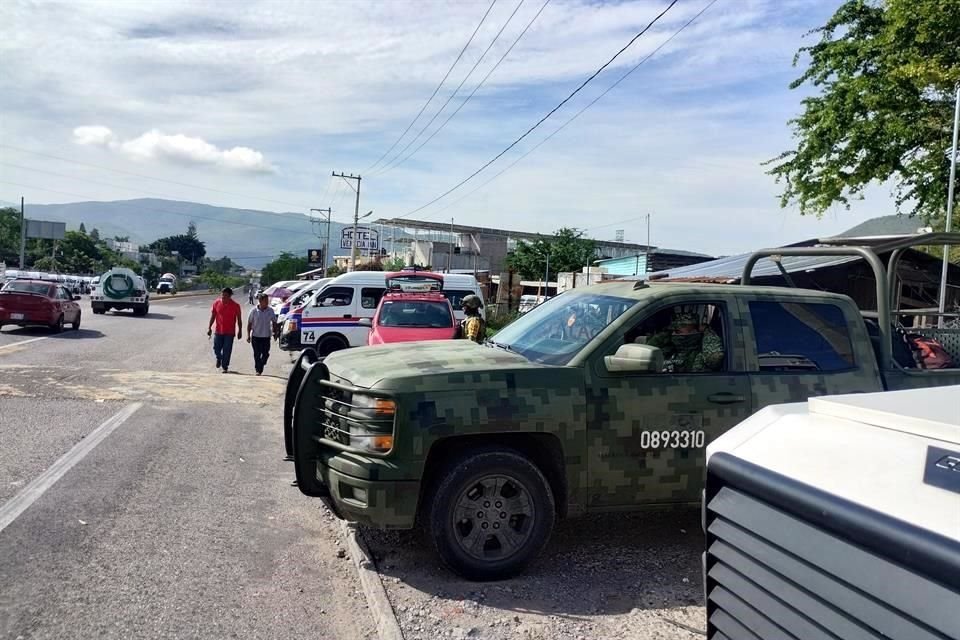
point(331, 321)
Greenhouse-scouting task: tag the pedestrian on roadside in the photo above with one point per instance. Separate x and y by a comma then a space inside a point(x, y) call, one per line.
point(261, 327)
point(225, 314)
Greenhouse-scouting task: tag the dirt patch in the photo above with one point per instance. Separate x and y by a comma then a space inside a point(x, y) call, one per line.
point(629, 577)
point(114, 384)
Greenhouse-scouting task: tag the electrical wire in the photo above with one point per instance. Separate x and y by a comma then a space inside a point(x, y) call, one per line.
point(544, 118)
point(146, 177)
point(481, 83)
point(434, 94)
point(140, 209)
point(393, 164)
point(577, 114)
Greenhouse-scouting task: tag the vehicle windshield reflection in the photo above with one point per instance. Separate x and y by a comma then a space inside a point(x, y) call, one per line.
point(557, 330)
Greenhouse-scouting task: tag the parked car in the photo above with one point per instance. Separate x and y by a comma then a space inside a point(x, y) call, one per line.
point(331, 321)
point(38, 303)
point(601, 399)
point(413, 309)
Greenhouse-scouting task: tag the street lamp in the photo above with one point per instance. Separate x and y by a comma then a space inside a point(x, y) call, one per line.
point(353, 243)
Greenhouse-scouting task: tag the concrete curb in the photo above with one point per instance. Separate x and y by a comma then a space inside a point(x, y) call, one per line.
point(181, 296)
point(387, 626)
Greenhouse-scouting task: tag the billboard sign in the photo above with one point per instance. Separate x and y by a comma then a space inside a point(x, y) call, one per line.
point(315, 257)
point(46, 230)
point(367, 239)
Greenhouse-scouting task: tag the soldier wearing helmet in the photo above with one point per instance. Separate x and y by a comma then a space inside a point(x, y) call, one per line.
point(687, 347)
point(472, 327)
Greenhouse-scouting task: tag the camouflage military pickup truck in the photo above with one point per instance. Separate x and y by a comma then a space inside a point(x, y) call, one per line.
point(597, 400)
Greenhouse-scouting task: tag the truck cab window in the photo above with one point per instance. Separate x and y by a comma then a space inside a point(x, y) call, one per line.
point(691, 337)
point(799, 337)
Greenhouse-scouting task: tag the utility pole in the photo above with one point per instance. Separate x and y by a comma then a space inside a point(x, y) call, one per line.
point(356, 215)
point(450, 248)
point(546, 277)
point(326, 250)
point(646, 258)
point(23, 235)
point(950, 193)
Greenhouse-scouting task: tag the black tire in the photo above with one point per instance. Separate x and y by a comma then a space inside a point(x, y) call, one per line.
point(489, 481)
point(328, 345)
point(97, 310)
point(141, 310)
point(76, 323)
point(57, 327)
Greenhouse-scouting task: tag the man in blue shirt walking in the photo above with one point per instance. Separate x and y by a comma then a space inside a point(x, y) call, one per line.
point(261, 327)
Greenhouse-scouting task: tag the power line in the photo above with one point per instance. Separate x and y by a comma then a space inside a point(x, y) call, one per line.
point(153, 209)
point(578, 113)
point(476, 88)
point(544, 118)
point(285, 216)
point(393, 164)
point(146, 177)
point(433, 95)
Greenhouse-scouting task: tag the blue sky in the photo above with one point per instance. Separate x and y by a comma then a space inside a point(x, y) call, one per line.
point(263, 100)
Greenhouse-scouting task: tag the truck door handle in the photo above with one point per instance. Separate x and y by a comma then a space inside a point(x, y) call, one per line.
point(347, 315)
point(725, 398)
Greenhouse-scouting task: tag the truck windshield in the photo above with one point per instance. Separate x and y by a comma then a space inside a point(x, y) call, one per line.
point(557, 330)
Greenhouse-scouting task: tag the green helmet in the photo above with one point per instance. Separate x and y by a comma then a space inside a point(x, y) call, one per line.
point(684, 319)
point(471, 302)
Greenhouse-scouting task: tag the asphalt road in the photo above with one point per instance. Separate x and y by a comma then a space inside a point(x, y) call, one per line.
point(179, 521)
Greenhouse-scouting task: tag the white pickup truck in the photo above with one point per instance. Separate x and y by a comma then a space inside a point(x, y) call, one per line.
point(837, 518)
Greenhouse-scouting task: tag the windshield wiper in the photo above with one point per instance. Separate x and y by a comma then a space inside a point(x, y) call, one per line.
point(500, 345)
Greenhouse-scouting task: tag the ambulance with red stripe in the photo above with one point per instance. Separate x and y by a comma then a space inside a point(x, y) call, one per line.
point(331, 320)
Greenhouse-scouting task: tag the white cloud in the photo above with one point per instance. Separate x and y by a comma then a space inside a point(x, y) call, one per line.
point(177, 148)
point(314, 90)
point(94, 135)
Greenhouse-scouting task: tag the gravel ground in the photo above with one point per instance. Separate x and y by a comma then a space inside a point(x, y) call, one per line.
point(617, 576)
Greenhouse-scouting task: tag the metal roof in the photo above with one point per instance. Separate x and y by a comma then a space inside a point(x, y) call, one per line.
point(730, 268)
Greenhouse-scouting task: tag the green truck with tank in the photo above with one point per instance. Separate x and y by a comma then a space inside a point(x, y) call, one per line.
point(594, 401)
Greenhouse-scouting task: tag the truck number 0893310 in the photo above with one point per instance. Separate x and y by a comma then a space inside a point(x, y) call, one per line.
point(672, 439)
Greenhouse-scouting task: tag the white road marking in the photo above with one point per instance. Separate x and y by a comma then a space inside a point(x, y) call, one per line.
point(16, 344)
point(32, 492)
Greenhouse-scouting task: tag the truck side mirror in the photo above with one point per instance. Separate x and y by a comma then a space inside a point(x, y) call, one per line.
point(635, 358)
point(365, 322)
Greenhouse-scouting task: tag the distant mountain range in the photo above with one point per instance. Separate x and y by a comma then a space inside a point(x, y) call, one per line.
point(248, 236)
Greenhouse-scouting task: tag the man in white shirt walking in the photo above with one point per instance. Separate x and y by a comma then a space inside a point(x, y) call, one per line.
point(261, 326)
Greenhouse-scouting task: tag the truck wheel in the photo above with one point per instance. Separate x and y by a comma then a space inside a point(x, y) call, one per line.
point(328, 345)
point(57, 327)
point(97, 309)
point(491, 514)
point(76, 323)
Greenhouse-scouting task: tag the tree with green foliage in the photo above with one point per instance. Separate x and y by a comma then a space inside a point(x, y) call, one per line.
point(222, 265)
point(189, 249)
point(394, 264)
point(192, 230)
point(568, 250)
point(121, 238)
point(285, 267)
point(10, 235)
point(83, 228)
point(333, 271)
point(95, 233)
point(885, 72)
